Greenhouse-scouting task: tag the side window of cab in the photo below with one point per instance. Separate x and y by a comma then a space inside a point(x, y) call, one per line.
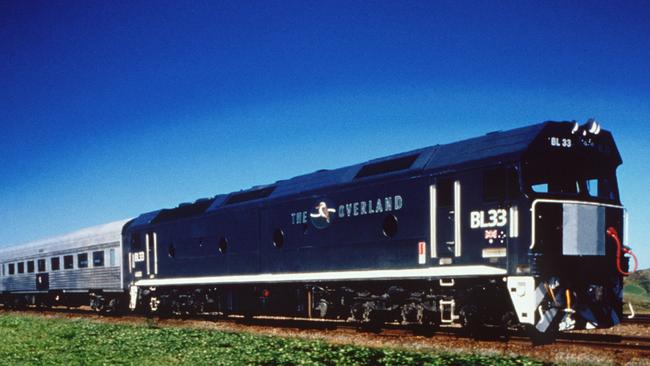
point(500, 184)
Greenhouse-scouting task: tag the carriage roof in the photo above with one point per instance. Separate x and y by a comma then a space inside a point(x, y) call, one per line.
point(87, 237)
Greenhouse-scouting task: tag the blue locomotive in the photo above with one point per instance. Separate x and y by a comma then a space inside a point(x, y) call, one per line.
point(502, 230)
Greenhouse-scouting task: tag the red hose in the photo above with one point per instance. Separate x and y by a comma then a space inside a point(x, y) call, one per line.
point(620, 248)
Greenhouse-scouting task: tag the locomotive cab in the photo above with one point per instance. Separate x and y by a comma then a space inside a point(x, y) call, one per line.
point(576, 225)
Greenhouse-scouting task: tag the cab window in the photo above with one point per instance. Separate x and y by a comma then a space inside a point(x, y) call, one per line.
point(571, 179)
point(500, 183)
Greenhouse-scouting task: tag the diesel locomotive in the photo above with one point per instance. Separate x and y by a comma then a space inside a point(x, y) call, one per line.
point(519, 228)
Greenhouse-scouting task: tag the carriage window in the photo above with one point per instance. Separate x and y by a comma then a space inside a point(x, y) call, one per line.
point(41, 265)
point(98, 259)
point(68, 262)
point(30, 267)
point(82, 260)
point(111, 257)
point(12, 269)
point(55, 263)
point(21, 267)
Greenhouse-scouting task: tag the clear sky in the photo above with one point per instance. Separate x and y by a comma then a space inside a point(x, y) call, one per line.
point(113, 108)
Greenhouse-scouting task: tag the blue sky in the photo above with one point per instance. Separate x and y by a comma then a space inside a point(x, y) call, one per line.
point(111, 109)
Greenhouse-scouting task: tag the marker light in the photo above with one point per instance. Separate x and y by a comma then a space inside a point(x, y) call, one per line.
point(594, 127)
point(576, 126)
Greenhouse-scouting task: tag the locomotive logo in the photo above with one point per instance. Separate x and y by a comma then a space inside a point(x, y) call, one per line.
point(323, 215)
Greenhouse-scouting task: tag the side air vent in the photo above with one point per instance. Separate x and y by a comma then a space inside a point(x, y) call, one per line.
point(387, 166)
point(249, 195)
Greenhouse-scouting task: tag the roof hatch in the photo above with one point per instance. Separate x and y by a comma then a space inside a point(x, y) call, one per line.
point(387, 166)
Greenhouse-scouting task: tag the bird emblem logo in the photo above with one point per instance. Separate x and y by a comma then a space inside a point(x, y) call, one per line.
point(323, 215)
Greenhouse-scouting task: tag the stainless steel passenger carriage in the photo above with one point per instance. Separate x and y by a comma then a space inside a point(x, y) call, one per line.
point(80, 268)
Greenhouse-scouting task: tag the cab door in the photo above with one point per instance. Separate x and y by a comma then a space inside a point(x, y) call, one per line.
point(444, 197)
point(42, 277)
point(494, 218)
point(42, 281)
point(151, 254)
point(143, 256)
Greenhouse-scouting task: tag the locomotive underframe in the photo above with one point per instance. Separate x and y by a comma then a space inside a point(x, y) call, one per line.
point(98, 300)
point(427, 302)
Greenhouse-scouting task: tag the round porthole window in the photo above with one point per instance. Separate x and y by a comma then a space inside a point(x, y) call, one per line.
point(223, 245)
point(389, 227)
point(278, 238)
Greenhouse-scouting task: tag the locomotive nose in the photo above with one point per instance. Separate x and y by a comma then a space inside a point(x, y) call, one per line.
point(563, 230)
point(578, 245)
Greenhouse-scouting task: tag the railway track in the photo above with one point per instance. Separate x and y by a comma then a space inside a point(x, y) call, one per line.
point(638, 319)
point(588, 340)
point(616, 342)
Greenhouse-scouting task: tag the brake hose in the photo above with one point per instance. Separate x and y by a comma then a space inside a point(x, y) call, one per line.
point(621, 248)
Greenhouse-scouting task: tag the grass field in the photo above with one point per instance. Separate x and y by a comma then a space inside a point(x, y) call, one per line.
point(637, 290)
point(34, 340)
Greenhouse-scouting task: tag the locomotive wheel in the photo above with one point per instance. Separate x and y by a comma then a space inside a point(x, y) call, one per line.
point(322, 308)
point(112, 306)
point(470, 320)
point(366, 317)
point(98, 304)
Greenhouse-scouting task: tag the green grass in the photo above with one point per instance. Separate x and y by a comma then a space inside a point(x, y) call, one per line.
point(33, 340)
point(637, 290)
